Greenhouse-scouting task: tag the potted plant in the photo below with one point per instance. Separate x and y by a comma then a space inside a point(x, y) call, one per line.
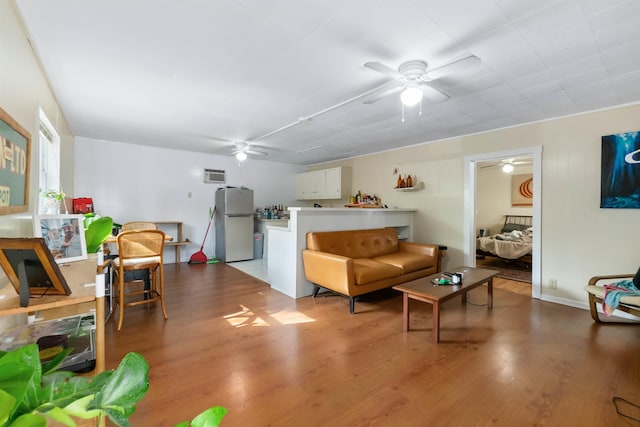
point(52, 200)
point(33, 394)
point(96, 231)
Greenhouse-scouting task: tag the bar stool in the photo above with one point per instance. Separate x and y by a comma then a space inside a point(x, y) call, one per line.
point(139, 250)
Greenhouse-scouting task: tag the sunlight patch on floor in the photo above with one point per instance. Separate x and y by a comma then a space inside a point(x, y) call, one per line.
point(246, 317)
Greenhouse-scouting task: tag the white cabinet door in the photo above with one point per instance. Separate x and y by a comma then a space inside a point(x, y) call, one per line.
point(310, 185)
point(333, 183)
point(301, 186)
point(323, 184)
point(316, 180)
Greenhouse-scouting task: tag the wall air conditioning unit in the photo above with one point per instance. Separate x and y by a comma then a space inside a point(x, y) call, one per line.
point(214, 176)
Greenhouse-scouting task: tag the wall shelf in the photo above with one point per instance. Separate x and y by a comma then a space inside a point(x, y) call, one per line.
point(179, 240)
point(416, 187)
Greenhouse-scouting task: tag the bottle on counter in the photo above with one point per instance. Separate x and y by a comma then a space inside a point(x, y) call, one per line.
point(399, 184)
point(358, 197)
point(409, 181)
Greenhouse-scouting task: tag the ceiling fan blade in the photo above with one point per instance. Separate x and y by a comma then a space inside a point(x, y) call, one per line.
point(433, 94)
point(384, 90)
point(256, 153)
point(455, 67)
point(381, 68)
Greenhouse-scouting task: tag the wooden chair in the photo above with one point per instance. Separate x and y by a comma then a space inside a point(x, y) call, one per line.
point(139, 225)
point(139, 250)
point(596, 290)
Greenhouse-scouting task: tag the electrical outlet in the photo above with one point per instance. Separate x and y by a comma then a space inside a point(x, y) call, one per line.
point(553, 283)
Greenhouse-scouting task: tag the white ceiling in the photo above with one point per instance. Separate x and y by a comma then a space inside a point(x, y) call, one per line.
point(198, 75)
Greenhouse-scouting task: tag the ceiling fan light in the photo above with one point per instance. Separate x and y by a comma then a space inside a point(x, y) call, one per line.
point(411, 95)
point(241, 156)
point(507, 168)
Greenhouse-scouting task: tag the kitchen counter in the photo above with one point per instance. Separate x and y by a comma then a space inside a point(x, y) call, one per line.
point(262, 225)
point(282, 222)
point(357, 210)
point(286, 271)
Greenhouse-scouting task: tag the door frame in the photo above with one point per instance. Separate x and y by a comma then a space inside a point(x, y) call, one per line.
point(470, 206)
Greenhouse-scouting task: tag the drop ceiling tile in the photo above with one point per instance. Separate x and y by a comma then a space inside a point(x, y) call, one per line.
point(463, 20)
point(619, 14)
point(532, 81)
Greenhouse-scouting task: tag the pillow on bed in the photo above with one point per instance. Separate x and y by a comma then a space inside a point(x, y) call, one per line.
point(508, 228)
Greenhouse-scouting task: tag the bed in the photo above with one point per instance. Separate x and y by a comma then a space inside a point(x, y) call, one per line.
point(514, 242)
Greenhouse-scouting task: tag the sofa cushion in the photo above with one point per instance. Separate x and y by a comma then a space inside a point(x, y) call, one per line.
point(406, 261)
point(355, 243)
point(367, 270)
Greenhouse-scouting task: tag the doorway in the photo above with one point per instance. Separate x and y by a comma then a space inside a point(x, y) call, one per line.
point(472, 163)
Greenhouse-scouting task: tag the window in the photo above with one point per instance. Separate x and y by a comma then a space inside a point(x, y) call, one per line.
point(49, 171)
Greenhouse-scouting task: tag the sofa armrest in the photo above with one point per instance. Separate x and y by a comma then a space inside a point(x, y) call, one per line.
point(419, 248)
point(328, 270)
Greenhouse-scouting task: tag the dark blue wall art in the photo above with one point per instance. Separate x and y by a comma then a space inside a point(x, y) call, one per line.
point(620, 175)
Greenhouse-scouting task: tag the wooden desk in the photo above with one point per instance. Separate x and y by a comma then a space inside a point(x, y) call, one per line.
point(82, 277)
point(177, 244)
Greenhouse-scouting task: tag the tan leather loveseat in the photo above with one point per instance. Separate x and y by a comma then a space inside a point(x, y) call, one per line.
point(355, 262)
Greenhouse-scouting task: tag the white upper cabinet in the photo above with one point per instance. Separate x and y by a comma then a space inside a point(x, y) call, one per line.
point(334, 183)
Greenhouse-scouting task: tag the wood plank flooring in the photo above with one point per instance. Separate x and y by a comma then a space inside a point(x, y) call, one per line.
point(274, 361)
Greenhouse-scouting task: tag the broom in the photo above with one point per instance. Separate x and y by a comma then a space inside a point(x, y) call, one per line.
point(200, 257)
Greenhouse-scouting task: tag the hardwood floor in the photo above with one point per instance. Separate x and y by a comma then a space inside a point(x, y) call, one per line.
point(274, 361)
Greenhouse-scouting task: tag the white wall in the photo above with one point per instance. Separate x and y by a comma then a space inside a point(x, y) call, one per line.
point(140, 183)
point(23, 91)
point(579, 240)
point(493, 197)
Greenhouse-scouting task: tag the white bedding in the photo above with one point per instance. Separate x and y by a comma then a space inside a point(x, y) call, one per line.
point(511, 245)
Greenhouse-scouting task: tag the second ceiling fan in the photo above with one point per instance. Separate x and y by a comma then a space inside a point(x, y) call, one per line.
point(242, 149)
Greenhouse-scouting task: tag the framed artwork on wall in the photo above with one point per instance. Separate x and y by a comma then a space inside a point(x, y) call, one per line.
point(522, 190)
point(63, 235)
point(620, 171)
point(14, 165)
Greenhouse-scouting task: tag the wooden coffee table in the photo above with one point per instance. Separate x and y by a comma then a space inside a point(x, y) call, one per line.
point(424, 290)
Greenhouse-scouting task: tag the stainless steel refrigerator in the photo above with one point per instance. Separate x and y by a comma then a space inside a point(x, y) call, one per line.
point(234, 224)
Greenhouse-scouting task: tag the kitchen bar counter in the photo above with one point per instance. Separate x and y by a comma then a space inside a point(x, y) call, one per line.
point(286, 271)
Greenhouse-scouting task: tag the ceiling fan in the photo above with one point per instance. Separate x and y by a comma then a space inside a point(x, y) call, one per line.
point(243, 149)
point(507, 164)
point(413, 80)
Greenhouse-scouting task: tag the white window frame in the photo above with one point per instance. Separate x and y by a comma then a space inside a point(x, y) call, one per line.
point(49, 159)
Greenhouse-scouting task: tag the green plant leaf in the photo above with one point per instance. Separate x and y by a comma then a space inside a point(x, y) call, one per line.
point(29, 420)
point(210, 417)
point(55, 362)
point(127, 385)
point(20, 374)
point(60, 416)
point(96, 231)
point(78, 408)
point(62, 388)
point(7, 405)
